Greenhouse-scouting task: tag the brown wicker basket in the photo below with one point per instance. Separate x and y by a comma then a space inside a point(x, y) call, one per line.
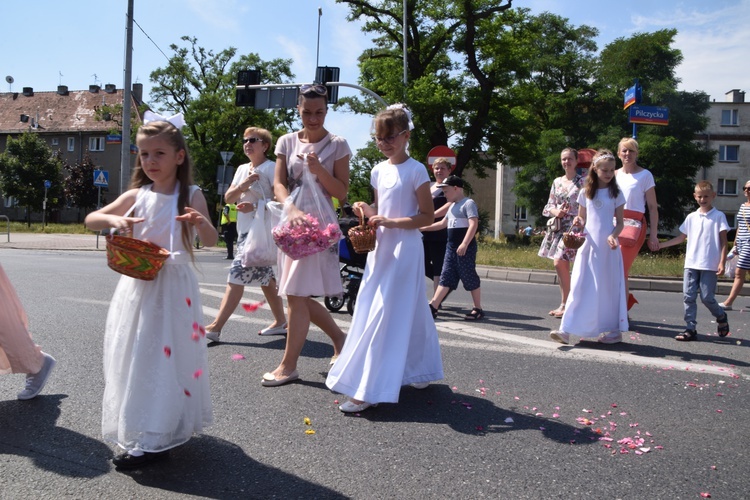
point(362, 236)
point(573, 240)
point(135, 258)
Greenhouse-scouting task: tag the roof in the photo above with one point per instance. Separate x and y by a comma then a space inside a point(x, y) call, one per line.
point(73, 111)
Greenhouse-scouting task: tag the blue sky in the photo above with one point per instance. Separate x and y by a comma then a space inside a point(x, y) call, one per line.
point(84, 40)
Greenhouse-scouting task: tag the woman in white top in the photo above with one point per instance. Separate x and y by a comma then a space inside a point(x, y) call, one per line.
point(252, 182)
point(638, 186)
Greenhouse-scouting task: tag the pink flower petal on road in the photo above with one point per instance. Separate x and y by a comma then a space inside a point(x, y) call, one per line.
point(705, 494)
point(555, 415)
point(189, 302)
point(167, 351)
point(197, 373)
point(237, 357)
point(187, 393)
point(253, 307)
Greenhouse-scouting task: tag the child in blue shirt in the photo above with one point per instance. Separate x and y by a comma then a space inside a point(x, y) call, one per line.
point(462, 221)
point(705, 259)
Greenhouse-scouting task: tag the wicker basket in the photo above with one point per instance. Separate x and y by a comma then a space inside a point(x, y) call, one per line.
point(135, 258)
point(573, 240)
point(362, 236)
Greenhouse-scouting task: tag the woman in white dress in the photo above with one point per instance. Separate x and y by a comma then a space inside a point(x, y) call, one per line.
point(596, 307)
point(392, 340)
point(317, 275)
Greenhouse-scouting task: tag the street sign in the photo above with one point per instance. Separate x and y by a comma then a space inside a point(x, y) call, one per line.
point(441, 152)
point(47, 184)
point(632, 96)
point(101, 178)
point(649, 115)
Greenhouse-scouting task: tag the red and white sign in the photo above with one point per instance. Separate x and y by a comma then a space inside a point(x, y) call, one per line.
point(441, 152)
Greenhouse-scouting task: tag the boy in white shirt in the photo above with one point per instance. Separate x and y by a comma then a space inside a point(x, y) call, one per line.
point(705, 259)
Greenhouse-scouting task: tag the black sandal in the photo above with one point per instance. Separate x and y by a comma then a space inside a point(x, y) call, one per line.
point(722, 326)
point(475, 315)
point(433, 311)
point(687, 336)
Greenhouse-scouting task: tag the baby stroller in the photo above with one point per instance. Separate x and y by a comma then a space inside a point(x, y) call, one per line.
point(352, 268)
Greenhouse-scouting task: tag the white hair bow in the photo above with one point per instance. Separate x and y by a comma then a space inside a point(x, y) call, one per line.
point(177, 120)
point(403, 107)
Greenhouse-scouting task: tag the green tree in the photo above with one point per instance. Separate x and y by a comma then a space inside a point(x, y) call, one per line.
point(201, 84)
point(24, 167)
point(669, 152)
point(78, 185)
point(451, 100)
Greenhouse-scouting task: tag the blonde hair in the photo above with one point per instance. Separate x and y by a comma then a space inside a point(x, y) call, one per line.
point(629, 143)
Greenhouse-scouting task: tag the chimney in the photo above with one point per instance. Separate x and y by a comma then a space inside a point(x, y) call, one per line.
point(62, 89)
point(28, 91)
point(94, 89)
point(735, 95)
point(137, 92)
point(110, 88)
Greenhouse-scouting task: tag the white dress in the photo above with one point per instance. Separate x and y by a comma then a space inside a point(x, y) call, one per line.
point(597, 302)
point(392, 340)
point(156, 391)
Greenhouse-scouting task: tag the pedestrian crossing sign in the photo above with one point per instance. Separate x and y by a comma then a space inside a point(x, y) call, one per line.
point(101, 178)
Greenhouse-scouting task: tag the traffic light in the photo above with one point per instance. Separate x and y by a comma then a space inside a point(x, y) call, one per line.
point(325, 74)
point(246, 96)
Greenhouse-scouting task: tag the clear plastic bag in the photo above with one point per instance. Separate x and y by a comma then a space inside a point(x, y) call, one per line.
point(320, 228)
point(259, 249)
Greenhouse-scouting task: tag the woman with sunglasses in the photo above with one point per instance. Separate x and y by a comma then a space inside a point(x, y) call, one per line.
point(252, 182)
point(742, 249)
point(301, 281)
point(639, 188)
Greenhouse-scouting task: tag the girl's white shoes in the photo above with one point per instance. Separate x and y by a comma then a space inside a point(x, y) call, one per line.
point(560, 336)
point(350, 407)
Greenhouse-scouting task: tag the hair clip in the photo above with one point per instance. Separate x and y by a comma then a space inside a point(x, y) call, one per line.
point(177, 120)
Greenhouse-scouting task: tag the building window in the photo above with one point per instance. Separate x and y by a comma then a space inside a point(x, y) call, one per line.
point(520, 213)
point(729, 117)
point(729, 153)
point(55, 141)
point(96, 143)
point(10, 202)
point(71, 143)
point(727, 187)
point(731, 219)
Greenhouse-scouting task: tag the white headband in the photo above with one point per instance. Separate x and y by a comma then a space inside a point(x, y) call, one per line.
point(403, 107)
point(605, 156)
point(177, 120)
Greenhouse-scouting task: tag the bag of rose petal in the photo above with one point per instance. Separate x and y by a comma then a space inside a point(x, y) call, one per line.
point(316, 229)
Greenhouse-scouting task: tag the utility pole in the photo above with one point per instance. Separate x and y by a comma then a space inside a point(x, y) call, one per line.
point(126, 99)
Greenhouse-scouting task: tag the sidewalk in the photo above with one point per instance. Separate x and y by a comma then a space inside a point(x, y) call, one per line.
point(36, 241)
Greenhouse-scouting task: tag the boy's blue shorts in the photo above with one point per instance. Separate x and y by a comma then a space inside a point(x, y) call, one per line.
point(456, 267)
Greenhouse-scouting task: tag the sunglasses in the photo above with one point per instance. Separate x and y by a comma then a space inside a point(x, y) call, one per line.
point(389, 139)
point(746, 188)
point(251, 140)
point(318, 89)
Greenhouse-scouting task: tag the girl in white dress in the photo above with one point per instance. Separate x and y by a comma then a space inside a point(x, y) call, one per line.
point(156, 392)
point(596, 306)
point(392, 340)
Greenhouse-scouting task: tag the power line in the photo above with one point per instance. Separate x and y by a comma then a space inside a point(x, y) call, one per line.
point(159, 48)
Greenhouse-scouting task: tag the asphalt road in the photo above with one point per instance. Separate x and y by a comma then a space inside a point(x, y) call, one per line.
point(517, 416)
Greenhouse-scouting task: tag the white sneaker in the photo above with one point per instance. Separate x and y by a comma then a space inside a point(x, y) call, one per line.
point(420, 385)
point(725, 307)
point(610, 338)
point(214, 336)
point(560, 336)
point(35, 382)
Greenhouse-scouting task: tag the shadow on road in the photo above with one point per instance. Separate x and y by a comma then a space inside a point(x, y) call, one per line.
point(478, 416)
point(210, 467)
point(29, 430)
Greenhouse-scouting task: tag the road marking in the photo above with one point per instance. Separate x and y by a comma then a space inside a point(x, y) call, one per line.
point(475, 337)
